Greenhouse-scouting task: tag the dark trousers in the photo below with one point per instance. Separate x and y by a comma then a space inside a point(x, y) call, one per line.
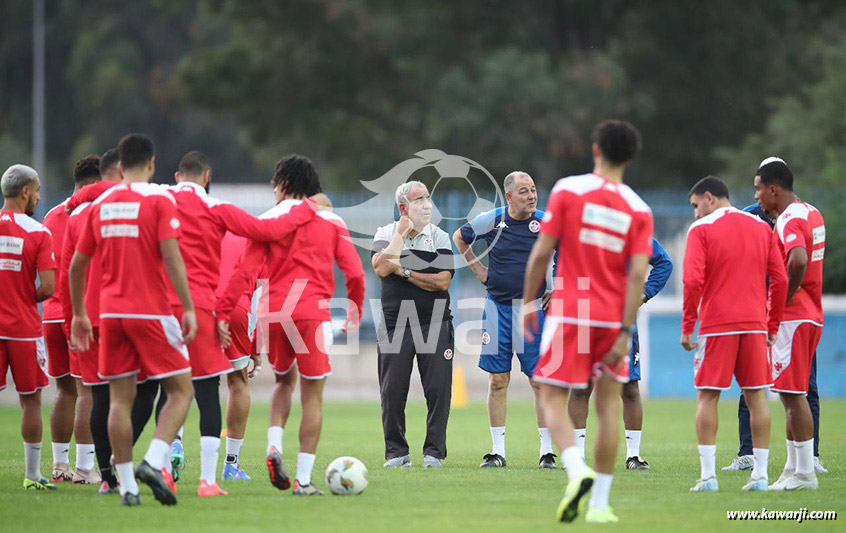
point(745, 428)
point(435, 366)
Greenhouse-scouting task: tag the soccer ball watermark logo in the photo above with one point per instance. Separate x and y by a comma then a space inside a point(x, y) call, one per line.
point(459, 187)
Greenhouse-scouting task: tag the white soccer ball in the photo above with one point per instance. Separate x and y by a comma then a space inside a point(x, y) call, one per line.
point(346, 475)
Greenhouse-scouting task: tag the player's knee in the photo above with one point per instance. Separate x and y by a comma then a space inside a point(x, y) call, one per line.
point(66, 387)
point(499, 382)
point(631, 392)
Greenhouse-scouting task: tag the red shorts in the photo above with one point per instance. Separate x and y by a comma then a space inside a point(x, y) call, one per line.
point(309, 350)
point(571, 355)
point(205, 352)
point(84, 364)
point(150, 348)
point(240, 349)
point(28, 361)
point(58, 356)
point(792, 354)
point(745, 356)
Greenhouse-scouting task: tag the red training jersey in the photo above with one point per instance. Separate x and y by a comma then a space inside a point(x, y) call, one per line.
point(55, 220)
point(728, 257)
point(93, 278)
point(26, 248)
point(231, 249)
point(128, 222)
point(802, 225)
point(599, 225)
point(89, 193)
point(302, 265)
point(204, 221)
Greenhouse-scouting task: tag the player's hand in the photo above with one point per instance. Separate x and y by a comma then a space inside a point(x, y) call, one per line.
point(528, 320)
point(224, 334)
point(619, 350)
point(545, 299)
point(189, 326)
point(82, 334)
point(687, 342)
point(404, 226)
point(351, 323)
point(771, 339)
point(256, 360)
point(323, 202)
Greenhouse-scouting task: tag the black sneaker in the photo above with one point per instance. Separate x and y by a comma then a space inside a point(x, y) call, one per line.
point(153, 479)
point(547, 460)
point(130, 499)
point(636, 462)
point(493, 460)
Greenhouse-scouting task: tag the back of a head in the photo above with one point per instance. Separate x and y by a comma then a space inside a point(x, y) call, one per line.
point(774, 171)
point(194, 164)
point(618, 141)
point(136, 150)
point(15, 179)
point(87, 169)
point(297, 176)
point(109, 160)
point(711, 184)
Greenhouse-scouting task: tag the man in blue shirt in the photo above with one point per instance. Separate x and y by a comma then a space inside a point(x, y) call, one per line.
point(510, 233)
point(743, 461)
point(662, 267)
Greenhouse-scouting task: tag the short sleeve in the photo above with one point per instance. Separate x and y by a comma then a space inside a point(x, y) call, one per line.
point(45, 258)
point(87, 243)
point(553, 218)
point(167, 221)
point(792, 234)
point(480, 225)
point(641, 235)
point(382, 239)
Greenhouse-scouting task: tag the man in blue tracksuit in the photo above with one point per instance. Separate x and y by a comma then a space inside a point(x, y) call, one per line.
point(743, 461)
point(510, 233)
point(662, 267)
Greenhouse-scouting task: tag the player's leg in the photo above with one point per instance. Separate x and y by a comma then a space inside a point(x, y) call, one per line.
point(436, 374)
point(237, 412)
point(706, 435)
point(121, 399)
point(814, 403)
point(280, 409)
point(142, 407)
point(84, 473)
point(528, 353)
point(547, 454)
point(61, 427)
point(754, 374)
point(633, 422)
point(100, 433)
point(743, 460)
point(31, 430)
point(759, 417)
point(578, 407)
point(311, 396)
point(495, 359)
point(207, 394)
point(607, 404)
point(396, 360)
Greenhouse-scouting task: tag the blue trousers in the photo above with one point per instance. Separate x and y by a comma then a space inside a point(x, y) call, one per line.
point(745, 428)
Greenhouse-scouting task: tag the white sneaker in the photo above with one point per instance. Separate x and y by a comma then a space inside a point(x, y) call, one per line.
point(706, 485)
point(399, 462)
point(818, 466)
point(431, 462)
point(756, 484)
point(741, 462)
point(782, 479)
point(801, 482)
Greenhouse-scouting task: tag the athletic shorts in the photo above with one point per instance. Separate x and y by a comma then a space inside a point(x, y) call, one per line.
point(149, 348)
point(28, 361)
point(792, 353)
point(571, 360)
point(310, 351)
point(58, 354)
point(634, 356)
point(240, 348)
point(745, 356)
point(502, 338)
point(205, 351)
point(84, 364)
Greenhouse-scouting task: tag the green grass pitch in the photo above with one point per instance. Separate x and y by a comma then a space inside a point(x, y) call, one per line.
point(459, 497)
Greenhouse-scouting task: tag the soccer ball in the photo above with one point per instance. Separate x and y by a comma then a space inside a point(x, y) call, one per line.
point(346, 475)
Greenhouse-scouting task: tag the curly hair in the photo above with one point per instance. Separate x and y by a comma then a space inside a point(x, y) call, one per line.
point(296, 176)
point(87, 169)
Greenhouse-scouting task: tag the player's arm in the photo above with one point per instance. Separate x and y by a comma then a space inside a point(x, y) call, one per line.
point(439, 270)
point(243, 224)
point(777, 290)
point(693, 278)
point(463, 239)
point(348, 260)
point(387, 260)
point(89, 193)
point(797, 264)
point(432, 282)
point(662, 267)
point(536, 267)
point(245, 273)
point(45, 265)
point(638, 264)
point(81, 331)
point(48, 285)
point(175, 267)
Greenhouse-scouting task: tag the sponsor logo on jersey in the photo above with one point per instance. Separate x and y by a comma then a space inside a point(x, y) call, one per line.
point(11, 245)
point(819, 234)
point(818, 255)
point(605, 217)
point(602, 240)
point(13, 265)
point(119, 230)
point(120, 211)
point(502, 225)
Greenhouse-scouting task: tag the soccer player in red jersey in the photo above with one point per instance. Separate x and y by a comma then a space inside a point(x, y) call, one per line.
point(800, 232)
point(26, 250)
point(301, 281)
point(728, 257)
point(67, 418)
point(135, 226)
point(204, 221)
point(603, 232)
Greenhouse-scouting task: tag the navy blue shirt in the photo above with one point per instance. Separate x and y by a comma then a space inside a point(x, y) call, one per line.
point(509, 243)
point(662, 267)
point(756, 210)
